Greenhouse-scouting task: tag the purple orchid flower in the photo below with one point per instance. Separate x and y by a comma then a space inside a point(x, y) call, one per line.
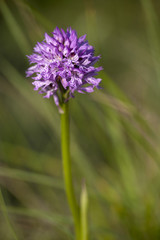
point(63, 64)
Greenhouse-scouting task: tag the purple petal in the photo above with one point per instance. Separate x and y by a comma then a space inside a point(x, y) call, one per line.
point(82, 38)
point(88, 89)
point(49, 93)
point(38, 84)
point(48, 38)
point(64, 83)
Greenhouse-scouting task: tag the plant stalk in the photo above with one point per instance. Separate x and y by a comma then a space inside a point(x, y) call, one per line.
point(65, 145)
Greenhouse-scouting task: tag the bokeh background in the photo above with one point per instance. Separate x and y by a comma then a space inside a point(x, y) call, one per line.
point(115, 140)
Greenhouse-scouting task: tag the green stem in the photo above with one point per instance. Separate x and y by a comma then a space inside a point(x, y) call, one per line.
point(65, 141)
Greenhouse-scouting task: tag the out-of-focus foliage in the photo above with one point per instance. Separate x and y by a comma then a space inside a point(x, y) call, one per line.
point(114, 132)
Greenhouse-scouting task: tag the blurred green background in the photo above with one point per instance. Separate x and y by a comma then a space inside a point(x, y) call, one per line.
point(114, 132)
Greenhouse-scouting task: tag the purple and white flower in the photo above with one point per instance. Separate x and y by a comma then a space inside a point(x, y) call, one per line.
point(63, 63)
